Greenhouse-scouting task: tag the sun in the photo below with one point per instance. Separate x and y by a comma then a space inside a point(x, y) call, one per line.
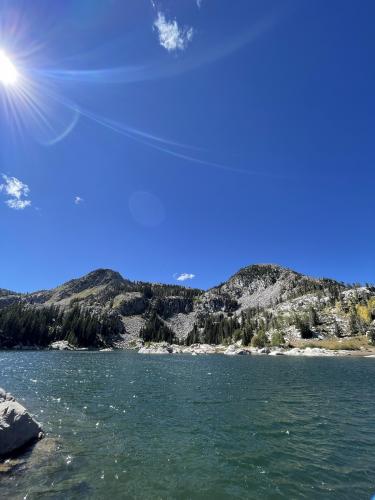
point(8, 72)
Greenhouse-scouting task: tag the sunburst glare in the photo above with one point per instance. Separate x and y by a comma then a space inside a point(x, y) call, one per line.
point(8, 71)
point(33, 104)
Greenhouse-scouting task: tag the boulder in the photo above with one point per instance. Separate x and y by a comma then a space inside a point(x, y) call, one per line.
point(5, 396)
point(234, 350)
point(61, 345)
point(17, 427)
point(264, 350)
point(155, 349)
point(277, 351)
point(203, 349)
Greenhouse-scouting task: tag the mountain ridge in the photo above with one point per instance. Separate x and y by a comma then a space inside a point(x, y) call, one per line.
point(257, 298)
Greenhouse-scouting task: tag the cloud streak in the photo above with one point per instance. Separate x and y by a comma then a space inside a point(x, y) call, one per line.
point(17, 191)
point(163, 145)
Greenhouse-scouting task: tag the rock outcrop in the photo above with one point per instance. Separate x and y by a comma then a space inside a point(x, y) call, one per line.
point(61, 345)
point(17, 428)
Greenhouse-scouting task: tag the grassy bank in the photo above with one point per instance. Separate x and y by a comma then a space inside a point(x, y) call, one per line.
point(347, 344)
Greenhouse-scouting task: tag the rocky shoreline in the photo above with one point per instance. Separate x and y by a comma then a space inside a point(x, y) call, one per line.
point(238, 350)
point(203, 349)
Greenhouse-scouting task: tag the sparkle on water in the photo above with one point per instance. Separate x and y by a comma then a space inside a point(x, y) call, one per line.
point(211, 427)
point(8, 71)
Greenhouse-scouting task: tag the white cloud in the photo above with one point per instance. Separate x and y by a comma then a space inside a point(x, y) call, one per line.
point(17, 192)
point(185, 276)
point(199, 3)
point(18, 204)
point(171, 35)
point(78, 200)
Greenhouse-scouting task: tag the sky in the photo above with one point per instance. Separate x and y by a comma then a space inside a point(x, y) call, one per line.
point(178, 141)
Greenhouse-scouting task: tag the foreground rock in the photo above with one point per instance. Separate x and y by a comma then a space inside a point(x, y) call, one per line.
point(17, 427)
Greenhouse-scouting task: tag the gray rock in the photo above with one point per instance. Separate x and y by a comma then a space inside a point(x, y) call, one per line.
point(17, 427)
point(234, 350)
point(277, 351)
point(265, 350)
point(203, 349)
point(155, 349)
point(5, 396)
point(61, 345)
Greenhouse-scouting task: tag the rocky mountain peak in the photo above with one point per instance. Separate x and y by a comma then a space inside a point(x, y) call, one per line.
point(100, 278)
point(263, 275)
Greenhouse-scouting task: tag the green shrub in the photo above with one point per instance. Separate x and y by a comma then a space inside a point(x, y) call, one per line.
point(237, 335)
point(259, 339)
point(277, 339)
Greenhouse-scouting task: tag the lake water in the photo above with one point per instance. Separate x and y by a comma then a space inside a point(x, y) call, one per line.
point(138, 426)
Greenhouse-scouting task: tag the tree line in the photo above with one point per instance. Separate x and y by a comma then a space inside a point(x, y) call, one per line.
point(25, 325)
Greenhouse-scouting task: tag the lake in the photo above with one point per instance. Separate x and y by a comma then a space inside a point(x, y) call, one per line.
point(207, 427)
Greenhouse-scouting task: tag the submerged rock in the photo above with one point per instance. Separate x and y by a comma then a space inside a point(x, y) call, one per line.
point(17, 427)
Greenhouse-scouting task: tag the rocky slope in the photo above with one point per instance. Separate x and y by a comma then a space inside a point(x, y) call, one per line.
point(259, 299)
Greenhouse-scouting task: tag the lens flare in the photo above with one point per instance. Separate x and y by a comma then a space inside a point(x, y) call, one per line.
point(8, 71)
point(31, 104)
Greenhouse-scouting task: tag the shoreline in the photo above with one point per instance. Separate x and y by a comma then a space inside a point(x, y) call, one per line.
point(210, 349)
point(238, 350)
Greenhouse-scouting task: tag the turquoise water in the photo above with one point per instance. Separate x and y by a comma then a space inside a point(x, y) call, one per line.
point(133, 426)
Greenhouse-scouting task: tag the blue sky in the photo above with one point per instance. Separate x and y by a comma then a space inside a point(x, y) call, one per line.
point(173, 138)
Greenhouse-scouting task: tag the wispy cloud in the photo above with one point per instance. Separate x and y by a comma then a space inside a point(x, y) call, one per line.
point(78, 200)
point(17, 192)
point(199, 3)
point(172, 36)
point(184, 276)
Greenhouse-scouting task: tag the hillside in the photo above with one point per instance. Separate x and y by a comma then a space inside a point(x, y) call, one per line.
point(104, 309)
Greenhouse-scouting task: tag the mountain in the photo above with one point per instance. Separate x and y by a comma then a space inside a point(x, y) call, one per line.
point(261, 299)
